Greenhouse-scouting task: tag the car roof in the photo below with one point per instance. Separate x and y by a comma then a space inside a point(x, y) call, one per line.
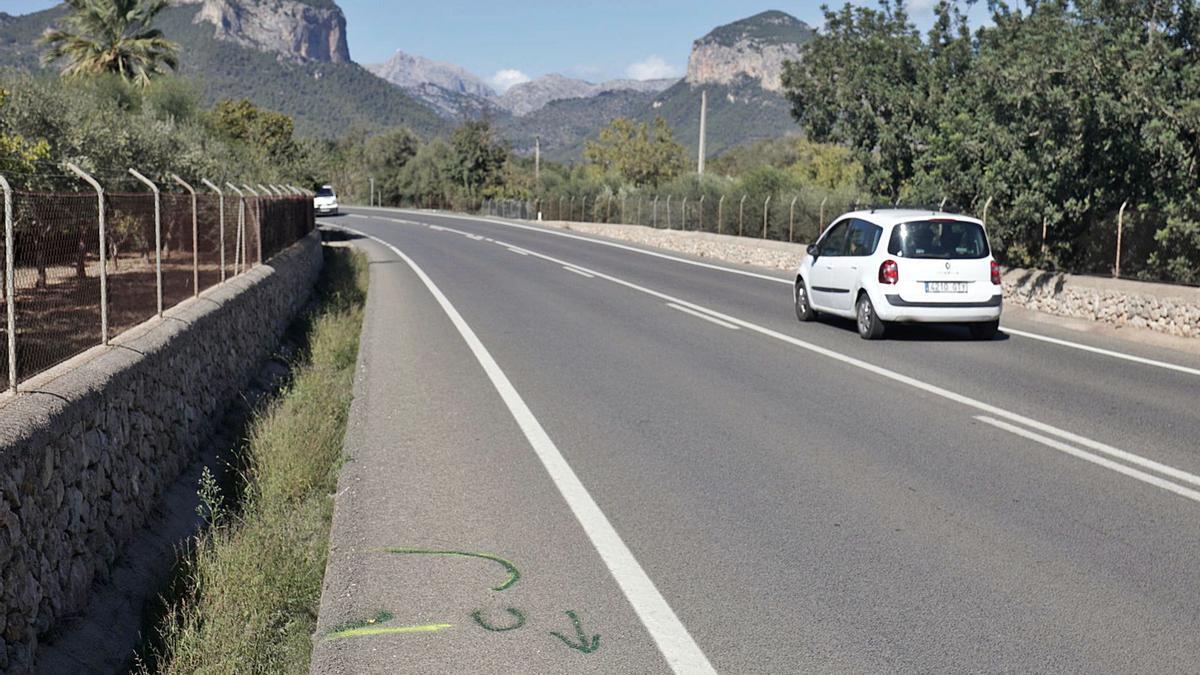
point(888, 217)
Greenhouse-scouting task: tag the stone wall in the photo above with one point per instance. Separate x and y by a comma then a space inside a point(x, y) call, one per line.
point(87, 448)
point(1174, 310)
point(1165, 308)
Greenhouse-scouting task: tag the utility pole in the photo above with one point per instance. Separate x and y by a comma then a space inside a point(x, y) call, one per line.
point(537, 161)
point(703, 125)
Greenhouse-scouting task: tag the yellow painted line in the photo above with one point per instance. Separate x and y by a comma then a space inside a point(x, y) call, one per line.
point(388, 630)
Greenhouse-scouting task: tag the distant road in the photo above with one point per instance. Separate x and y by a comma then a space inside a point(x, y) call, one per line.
point(706, 483)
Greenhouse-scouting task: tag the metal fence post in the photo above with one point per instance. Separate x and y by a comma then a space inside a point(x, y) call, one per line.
point(103, 250)
point(701, 225)
point(720, 212)
point(583, 209)
point(821, 216)
point(195, 236)
point(1120, 226)
point(655, 214)
point(258, 219)
point(683, 215)
point(792, 220)
point(766, 212)
point(221, 220)
point(638, 218)
point(10, 278)
point(741, 214)
point(240, 235)
point(668, 212)
point(157, 236)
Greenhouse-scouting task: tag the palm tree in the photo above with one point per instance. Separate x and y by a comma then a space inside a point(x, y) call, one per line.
point(112, 36)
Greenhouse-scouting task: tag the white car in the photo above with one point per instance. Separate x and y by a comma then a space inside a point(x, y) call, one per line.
point(903, 266)
point(326, 202)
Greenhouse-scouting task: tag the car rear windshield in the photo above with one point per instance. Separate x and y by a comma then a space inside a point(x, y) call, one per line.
point(943, 239)
point(325, 192)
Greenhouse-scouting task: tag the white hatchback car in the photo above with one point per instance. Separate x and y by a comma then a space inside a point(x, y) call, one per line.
point(904, 266)
point(325, 203)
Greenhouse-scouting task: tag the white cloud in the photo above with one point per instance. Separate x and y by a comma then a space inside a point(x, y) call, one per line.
point(508, 78)
point(921, 6)
point(653, 67)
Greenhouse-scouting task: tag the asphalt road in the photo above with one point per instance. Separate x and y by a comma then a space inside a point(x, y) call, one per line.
point(741, 491)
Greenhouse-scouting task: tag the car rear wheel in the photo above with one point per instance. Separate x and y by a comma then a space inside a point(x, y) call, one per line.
point(804, 311)
point(870, 326)
point(985, 330)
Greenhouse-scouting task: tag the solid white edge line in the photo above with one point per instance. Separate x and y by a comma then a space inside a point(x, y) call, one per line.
point(1020, 333)
point(672, 637)
point(518, 251)
point(579, 272)
point(903, 379)
point(1099, 350)
point(701, 315)
point(1095, 459)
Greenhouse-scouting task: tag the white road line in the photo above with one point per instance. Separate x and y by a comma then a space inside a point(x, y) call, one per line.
point(1095, 459)
point(701, 315)
point(904, 379)
point(579, 272)
point(518, 251)
point(676, 644)
point(355, 215)
point(612, 244)
point(730, 270)
point(1098, 350)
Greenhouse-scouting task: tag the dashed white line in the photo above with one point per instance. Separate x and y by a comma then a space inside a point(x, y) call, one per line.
point(518, 251)
point(579, 272)
point(700, 315)
point(995, 411)
point(672, 637)
point(765, 277)
point(1095, 459)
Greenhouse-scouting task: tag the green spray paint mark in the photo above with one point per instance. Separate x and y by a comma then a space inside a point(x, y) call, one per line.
point(478, 616)
point(584, 645)
point(388, 630)
point(382, 617)
point(513, 573)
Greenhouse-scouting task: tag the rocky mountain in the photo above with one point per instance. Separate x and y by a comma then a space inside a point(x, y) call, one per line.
point(409, 71)
point(755, 47)
point(294, 29)
point(285, 55)
point(528, 97)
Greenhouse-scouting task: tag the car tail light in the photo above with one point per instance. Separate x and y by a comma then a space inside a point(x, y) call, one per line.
point(995, 273)
point(889, 273)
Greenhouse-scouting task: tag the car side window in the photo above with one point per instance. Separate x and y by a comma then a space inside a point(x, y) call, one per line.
point(863, 238)
point(834, 241)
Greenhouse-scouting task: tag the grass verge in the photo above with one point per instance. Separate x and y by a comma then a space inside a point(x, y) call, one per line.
point(247, 592)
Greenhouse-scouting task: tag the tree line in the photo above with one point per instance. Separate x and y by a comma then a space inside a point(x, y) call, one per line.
point(1058, 111)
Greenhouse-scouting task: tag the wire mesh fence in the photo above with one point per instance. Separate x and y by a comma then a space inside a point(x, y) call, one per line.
point(1129, 243)
point(65, 288)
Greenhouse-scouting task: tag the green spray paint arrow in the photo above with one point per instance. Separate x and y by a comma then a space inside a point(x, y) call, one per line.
point(513, 573)
point(516, 613)
point(586, 646)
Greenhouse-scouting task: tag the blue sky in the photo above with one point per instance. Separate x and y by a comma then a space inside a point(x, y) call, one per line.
point(505, 42)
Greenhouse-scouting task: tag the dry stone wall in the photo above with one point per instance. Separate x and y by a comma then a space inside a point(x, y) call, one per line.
point(86, 451)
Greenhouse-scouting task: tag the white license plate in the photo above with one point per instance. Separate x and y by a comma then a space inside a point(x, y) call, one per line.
point(945, 287)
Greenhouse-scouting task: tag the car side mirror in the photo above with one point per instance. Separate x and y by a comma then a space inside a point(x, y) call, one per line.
point(813, 250)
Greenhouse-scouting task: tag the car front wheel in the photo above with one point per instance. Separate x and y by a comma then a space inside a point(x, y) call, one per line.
point(870, 326)
point(804, 310)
